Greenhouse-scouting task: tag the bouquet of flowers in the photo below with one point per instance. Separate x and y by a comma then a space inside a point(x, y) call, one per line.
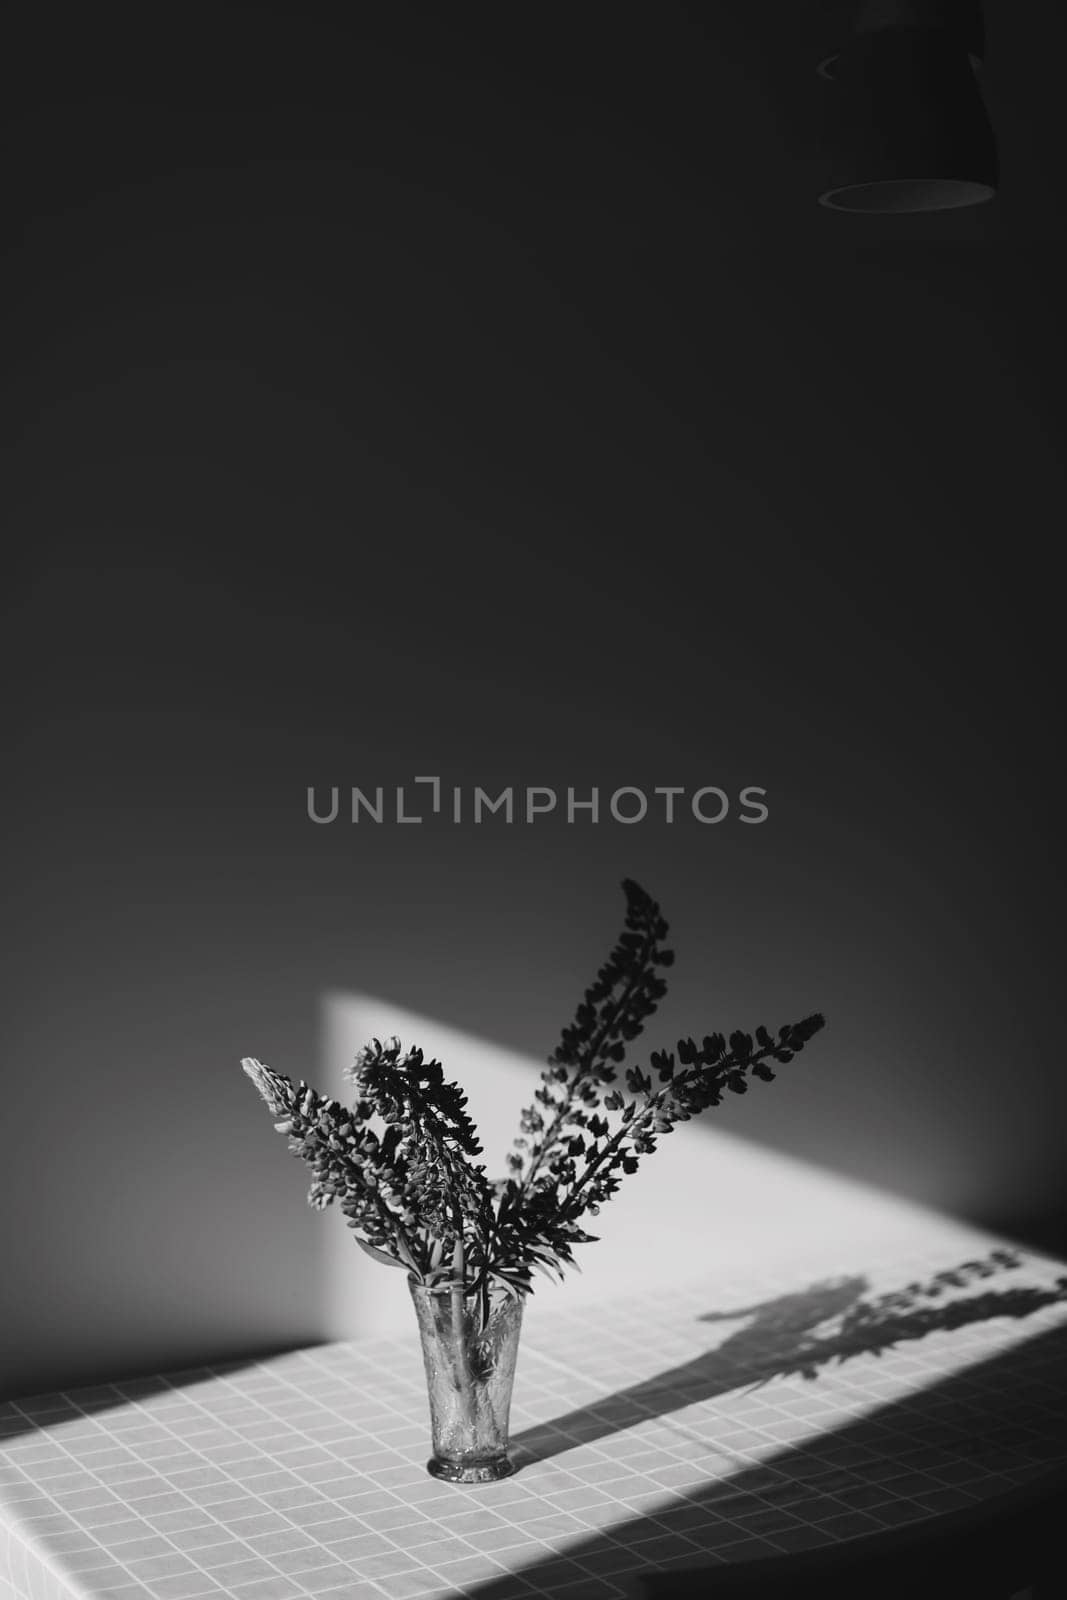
point(399, 1161)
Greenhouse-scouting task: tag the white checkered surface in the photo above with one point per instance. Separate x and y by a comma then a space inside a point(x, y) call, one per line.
point(718, 1423)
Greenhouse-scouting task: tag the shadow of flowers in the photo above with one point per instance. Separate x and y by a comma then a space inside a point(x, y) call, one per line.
point(871, 1326)
point(796, 1334)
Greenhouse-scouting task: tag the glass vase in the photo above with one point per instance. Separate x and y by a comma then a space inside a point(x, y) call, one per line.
point(470, 1370)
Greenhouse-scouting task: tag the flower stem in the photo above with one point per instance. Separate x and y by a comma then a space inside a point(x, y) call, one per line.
point(464, 1379)
point(612, 1145)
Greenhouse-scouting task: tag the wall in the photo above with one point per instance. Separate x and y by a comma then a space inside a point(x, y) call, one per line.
point(340, 450)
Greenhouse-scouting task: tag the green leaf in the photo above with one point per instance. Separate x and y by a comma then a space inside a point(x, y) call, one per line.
point(511, 1285)
point(540, 1266)
point(380, 1255)
point(407, 1256)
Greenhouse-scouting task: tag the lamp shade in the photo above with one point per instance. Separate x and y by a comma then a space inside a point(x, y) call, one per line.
point(907, 127)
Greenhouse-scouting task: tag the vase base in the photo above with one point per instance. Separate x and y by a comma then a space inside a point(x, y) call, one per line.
point(472, 1472)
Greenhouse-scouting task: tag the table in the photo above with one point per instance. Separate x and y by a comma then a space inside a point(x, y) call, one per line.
point(712, 1425)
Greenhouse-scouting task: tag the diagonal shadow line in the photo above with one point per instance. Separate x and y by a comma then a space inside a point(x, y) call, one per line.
point(781, 1339)
point(748, 1356)
point(966, 1441)
point(34, 1413)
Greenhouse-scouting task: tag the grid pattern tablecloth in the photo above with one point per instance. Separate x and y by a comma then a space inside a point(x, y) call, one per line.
point(717, 1424)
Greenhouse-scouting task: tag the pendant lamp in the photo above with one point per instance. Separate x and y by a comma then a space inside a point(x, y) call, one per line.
point(907, 128)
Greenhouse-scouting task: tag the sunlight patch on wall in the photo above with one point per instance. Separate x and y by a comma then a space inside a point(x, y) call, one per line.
point(704, 1202)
